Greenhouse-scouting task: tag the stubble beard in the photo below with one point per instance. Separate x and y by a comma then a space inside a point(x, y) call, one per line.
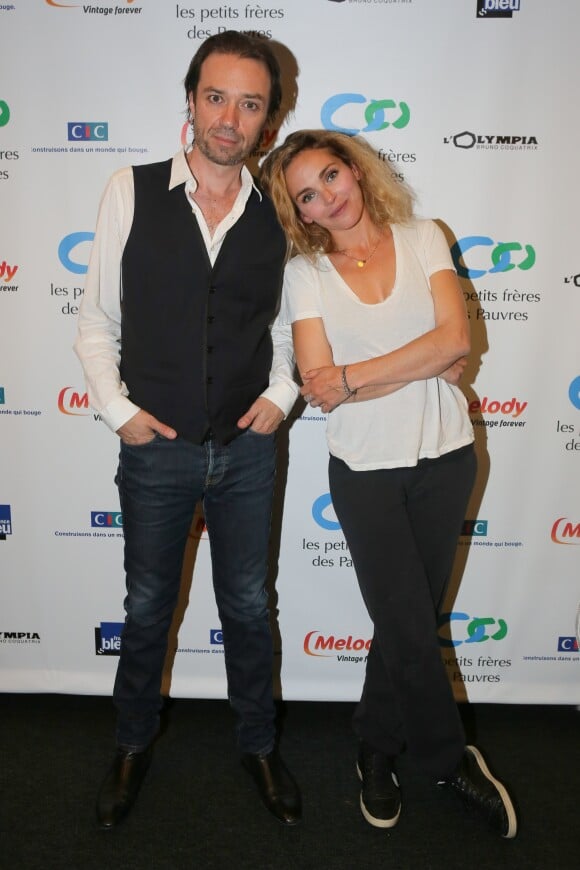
point(223, 157)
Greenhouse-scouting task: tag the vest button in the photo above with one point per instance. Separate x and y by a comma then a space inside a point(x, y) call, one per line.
point(210, 380)
point(211, 318)
point(209, 348)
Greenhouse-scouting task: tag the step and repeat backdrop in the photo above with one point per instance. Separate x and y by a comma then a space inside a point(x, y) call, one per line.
point(473, 102)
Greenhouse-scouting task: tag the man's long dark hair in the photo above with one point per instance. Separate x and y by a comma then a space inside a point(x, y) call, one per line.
point(241, 45)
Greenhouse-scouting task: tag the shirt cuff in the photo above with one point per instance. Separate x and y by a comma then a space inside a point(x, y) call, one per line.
point(283, 395)
point(118, 412)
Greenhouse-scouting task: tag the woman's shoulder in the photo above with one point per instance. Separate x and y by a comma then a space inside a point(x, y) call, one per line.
point(417, 228)
point(301, 265)
point(422, 233)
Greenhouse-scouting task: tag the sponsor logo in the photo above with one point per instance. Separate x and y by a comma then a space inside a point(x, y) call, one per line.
point(574, 392)
point(511, 408)
point(501, 256)
point(106, 519)
point(497, 8)
point(565, 532)
point(491, 142)
point(216, 645)
point(568, 644)
point(66, 248)
point(121, 8)
point(318, 644)
point(378, 114)
point(322, 504)
point(88, 131)
point(19, 637)
point(4, 113)
point(73, 403)
point(474, 528)
point(5, 521)
point(7, 272)
point(478, 628)
point(2, 395)
point(108, 638)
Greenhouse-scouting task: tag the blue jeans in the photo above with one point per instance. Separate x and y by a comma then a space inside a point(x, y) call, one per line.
point(160, 484)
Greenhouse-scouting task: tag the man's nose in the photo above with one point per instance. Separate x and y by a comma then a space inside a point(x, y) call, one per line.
point(230, 115)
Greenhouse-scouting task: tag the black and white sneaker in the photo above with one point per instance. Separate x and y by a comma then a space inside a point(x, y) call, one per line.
point(482, 792)
point(380, 799)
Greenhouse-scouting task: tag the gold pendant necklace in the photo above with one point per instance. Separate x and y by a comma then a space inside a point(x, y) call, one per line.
point(359, 260)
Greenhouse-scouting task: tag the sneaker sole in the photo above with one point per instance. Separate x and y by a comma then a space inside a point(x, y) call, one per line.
point(506, 800)
point(372, 820)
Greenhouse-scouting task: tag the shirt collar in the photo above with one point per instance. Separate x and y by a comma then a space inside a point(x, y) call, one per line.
point(181, 174)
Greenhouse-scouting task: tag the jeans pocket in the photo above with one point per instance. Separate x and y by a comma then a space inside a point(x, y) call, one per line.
point(260, 434)
point(156, 438)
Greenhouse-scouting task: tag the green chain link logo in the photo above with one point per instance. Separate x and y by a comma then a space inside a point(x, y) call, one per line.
point(4, 113)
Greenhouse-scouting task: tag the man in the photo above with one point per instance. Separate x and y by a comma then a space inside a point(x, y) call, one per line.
point(189, 374)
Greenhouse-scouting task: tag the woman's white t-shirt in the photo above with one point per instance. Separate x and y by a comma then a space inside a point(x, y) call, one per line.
point(424, 419)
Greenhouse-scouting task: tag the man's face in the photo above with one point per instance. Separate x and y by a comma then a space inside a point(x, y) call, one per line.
point(229, 108)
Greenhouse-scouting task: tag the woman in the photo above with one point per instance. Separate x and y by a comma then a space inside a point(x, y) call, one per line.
point(380, 335)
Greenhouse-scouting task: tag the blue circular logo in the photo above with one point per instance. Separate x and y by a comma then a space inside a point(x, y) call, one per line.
point(574, 392)
point(320, 505)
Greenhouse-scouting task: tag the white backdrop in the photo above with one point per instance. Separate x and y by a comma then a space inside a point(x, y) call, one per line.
point(475, 102)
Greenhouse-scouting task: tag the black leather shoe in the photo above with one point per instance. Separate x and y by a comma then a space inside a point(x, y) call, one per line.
point(380, 799)
point(278, 791)
point(121, 786)
point(482, 792)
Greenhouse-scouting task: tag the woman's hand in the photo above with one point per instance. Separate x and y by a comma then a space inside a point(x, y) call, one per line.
point(323, 388)
point(453, 374)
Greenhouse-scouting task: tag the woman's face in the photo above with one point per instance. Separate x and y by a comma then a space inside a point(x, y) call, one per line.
point(325, 190)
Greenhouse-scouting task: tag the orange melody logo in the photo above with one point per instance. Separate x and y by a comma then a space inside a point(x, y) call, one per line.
point(73, 403)
point(563, 530)
point(330, 644)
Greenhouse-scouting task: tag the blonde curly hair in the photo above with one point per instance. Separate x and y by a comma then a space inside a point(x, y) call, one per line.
point(387, 199)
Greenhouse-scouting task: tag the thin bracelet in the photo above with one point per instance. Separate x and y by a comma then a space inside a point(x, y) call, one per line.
point(345, 385)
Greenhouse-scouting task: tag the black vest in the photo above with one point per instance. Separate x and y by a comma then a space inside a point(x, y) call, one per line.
point(196, 349)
